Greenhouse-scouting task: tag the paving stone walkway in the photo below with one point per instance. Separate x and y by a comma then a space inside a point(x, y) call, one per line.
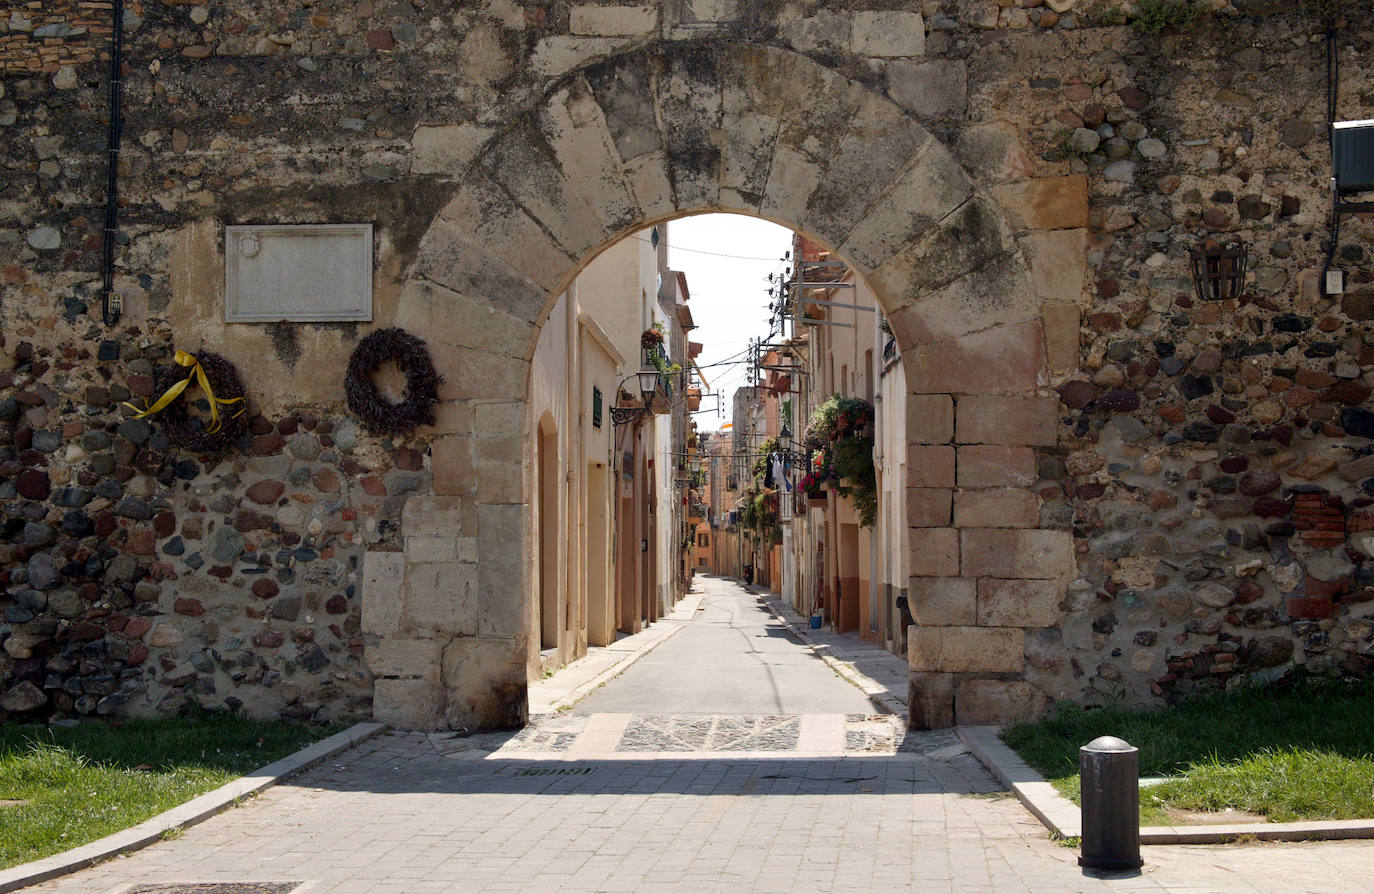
point(642, 801)
point(396, 815)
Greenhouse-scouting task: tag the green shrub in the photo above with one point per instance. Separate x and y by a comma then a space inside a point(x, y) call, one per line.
point(853, 461)
point(838, 416)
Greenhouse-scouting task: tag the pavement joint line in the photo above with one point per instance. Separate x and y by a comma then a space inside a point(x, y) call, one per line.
point(1064, 819)
point(620, 757)
point(877, 693)
point(194, 811)
point(613, 670)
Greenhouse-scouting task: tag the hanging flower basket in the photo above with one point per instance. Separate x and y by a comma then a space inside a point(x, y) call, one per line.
point(651, 338)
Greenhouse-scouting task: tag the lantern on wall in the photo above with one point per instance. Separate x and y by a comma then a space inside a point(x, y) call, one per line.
point(1218, 269)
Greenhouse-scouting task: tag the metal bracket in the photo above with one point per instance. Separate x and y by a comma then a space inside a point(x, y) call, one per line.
point(808, 321)
point(622, 415)
point(867, 310)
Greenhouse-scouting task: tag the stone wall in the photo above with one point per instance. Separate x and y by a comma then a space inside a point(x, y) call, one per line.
point(1199, 472)
point(1214, 457)
point(53, 38)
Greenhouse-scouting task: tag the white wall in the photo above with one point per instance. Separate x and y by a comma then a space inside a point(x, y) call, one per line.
point(549, 402)
point(619, 289)
point(890, 427)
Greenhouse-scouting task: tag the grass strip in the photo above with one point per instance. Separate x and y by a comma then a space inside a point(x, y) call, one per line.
point(1283, 785)
point(1294, 750)
point(76, 784)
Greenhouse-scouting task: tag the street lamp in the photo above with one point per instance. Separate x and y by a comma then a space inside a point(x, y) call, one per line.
point(648, 385)
point(1218, 270)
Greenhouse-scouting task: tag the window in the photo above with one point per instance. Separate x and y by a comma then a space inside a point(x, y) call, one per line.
point(596, 406)
point(703, 540)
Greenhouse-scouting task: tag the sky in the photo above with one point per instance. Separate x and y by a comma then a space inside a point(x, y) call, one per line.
point(727, 259)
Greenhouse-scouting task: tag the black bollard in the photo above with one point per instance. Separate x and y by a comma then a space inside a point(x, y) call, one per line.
point(1109, 777)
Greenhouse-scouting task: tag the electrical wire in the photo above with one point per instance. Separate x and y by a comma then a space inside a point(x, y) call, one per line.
point(714, 254)
point(111, 304)
point(1333, 75)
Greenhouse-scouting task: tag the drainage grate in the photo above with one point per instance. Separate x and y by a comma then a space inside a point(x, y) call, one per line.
point(219, 888)
point(547, 771)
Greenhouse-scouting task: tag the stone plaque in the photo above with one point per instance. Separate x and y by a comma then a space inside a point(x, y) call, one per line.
point(301, 273)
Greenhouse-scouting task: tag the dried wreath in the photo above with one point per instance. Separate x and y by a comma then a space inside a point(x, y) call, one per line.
point(219, 380)
point(411, 357)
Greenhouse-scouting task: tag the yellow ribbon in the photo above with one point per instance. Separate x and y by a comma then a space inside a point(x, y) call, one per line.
point(198, 374)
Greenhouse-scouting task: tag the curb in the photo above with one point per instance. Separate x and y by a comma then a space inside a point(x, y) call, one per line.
point(1060, 815)
point(876, 692)
point(199, 808)
point(1064, 820)
point(614, 670)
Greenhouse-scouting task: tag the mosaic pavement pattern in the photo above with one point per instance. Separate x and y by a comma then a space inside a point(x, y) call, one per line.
point(864, 734)
point(711, 733)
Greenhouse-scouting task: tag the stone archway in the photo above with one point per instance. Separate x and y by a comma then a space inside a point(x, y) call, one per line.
point(686, 127)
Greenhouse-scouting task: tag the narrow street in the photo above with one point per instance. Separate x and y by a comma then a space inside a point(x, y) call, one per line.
point(734, 658)
point(733, 679)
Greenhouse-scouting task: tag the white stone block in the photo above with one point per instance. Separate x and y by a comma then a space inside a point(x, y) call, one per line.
point(396, 657)
point(431, 548)
point(889, 34)
point(447, 149)
point(383, 577)
point(612, 21)
point(443, 597)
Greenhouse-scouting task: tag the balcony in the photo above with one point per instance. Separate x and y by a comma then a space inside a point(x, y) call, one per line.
point(653, 356)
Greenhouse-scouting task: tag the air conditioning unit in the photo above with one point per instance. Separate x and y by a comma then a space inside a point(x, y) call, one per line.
point(1352, 156)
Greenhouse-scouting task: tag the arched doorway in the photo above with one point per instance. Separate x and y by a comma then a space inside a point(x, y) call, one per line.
point(686, 127)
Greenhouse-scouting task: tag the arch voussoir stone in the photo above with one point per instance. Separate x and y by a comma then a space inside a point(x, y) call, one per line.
point(746, 157)
point(792, 176)
point(813, 119)
point(489, 220)
point(821, 109)
point(932, 187)
point(995, 293)
point(451, 318)
point(880, 142)
point(753, 121)
point(623, 88)
point(450, 257)
point(524, 165)
point(963, 241)
point(688, 95)
point(575, 128)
